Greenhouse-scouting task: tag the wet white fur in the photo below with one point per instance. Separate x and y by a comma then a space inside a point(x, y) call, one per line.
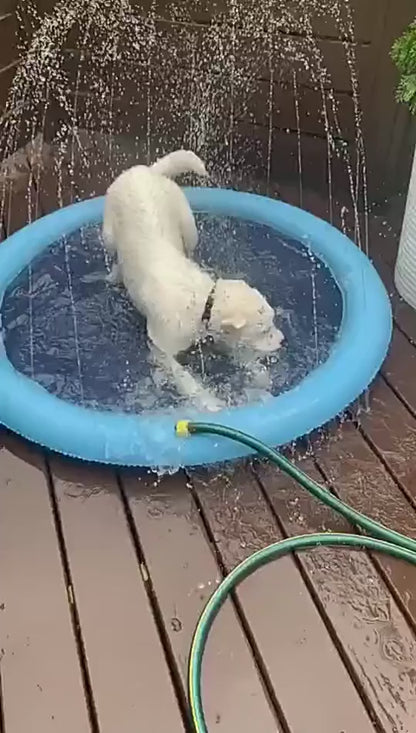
point(149, 225)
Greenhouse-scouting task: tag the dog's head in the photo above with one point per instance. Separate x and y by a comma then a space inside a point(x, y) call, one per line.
point(243, 319)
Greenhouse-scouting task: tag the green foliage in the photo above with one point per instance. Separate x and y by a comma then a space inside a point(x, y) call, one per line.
point(403, 54)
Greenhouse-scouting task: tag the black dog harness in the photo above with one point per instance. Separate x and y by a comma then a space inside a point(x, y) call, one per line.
point(206, 315)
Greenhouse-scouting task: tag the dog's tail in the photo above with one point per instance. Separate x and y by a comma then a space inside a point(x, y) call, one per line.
point(178, 162)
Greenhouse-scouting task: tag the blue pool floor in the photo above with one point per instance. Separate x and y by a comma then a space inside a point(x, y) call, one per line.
point(82, 340)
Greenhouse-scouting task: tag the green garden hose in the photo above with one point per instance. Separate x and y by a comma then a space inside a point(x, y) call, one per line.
point(382, 540)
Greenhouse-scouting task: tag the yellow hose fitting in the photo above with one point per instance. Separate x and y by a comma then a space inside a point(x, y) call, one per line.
point(182, 429)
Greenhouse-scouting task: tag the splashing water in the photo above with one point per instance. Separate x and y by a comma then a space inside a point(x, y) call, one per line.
point(192, 74)
point(108, 83)
point(86, 343)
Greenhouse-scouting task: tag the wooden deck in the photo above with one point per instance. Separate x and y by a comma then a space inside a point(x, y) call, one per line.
point(103, 574)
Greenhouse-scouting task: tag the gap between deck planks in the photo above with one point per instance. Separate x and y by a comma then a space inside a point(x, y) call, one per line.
point(41, 678)
point(221, 528)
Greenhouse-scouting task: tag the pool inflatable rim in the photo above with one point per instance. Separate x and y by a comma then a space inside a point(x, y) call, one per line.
point(149, 440)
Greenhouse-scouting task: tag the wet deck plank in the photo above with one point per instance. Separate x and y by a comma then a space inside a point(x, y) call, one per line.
point(54, 183)
point(403, 314)
point(41, 679)
point(288, 631)
point(183, 573)
point(400, 370)
point(391, 431)
point(368, 627)
point(103, 162)
point(40, 658)
point(123, 687)
point(115, 614)
point(366, 485)
point(19, 203)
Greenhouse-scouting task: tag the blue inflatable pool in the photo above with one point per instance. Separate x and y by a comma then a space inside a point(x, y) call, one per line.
point(75, 375)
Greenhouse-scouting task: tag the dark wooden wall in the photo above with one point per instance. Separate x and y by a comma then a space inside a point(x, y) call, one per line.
point(388, 130)
point(8, 48)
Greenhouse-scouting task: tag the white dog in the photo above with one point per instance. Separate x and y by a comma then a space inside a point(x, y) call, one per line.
point(148, 223)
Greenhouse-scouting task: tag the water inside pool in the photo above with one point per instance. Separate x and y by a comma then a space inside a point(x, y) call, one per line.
point(81, 339)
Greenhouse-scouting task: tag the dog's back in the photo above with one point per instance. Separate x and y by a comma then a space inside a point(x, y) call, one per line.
point(148, 204)
point(139, 204)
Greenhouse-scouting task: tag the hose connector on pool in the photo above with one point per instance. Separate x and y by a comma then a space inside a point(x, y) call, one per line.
point(182, 429)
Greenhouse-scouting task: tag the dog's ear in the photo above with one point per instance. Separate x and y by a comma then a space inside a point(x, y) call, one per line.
point(233, 324)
